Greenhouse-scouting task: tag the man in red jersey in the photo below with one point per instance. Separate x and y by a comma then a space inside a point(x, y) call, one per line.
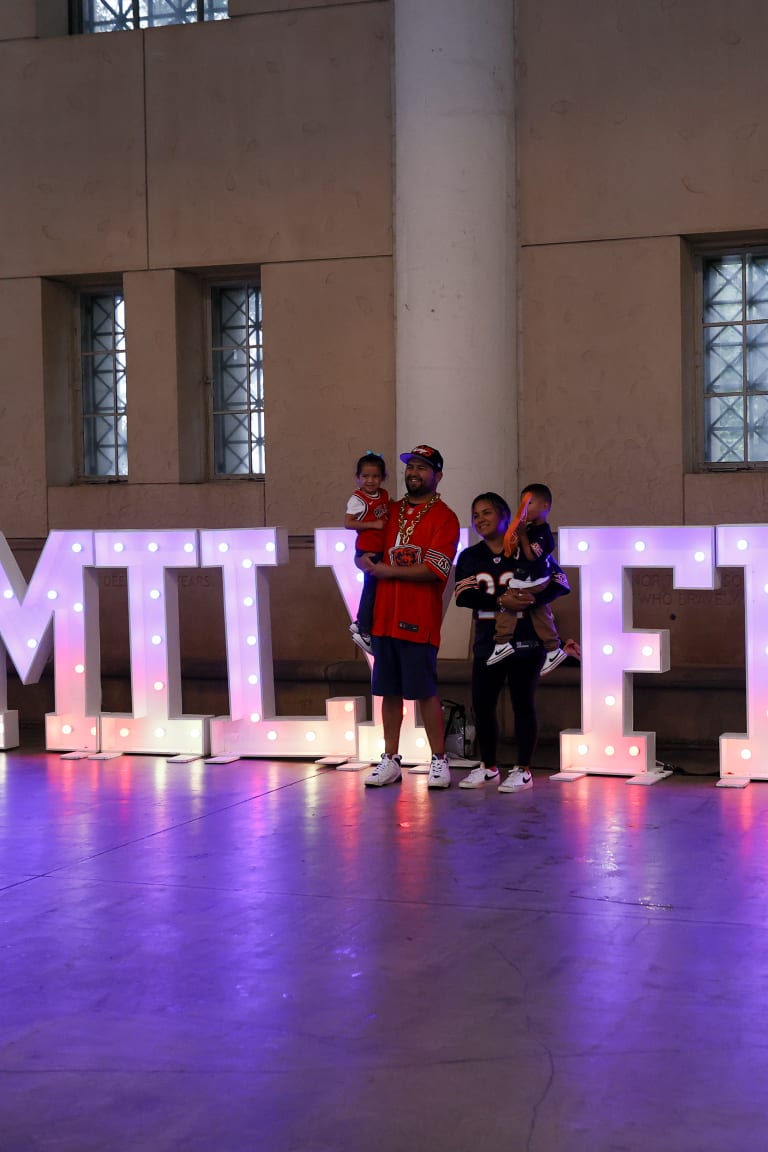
point(420, 542)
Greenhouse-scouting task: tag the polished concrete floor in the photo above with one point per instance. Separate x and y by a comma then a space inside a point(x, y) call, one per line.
point(266, 956)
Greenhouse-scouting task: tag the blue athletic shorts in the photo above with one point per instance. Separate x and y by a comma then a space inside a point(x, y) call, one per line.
point(402, 668)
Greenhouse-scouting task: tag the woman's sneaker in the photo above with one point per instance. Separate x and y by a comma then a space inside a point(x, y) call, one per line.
point(387, 771)
point(479, 777)
point(552, 659)
point(518, 780)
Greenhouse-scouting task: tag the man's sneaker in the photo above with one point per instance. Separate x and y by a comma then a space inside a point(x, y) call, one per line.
point(362, 639)
point(517, 781)
point(478, 777)
point(387, 771)
point(439, 773)
point(500, 652)
point(552, 659)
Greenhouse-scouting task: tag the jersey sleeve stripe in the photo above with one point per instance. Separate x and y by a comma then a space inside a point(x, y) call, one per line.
point(439, 561)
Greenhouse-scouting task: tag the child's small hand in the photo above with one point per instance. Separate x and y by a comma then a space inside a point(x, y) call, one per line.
point(573, 648)
point(516, 599)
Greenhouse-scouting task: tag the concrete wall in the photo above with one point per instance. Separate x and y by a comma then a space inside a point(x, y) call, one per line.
point(641, 119)
point(642, 131)
point(261, 142)
point(601, 403)
point(163, 161)
point(638, 124)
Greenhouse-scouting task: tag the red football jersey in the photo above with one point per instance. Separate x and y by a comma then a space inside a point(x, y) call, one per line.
point(367, 509)
point(412, 610)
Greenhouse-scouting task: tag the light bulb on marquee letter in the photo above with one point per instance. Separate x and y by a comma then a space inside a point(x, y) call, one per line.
point(611, 649)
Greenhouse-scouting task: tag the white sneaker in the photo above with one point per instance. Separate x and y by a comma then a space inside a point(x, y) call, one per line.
point(439, 773)
point(518, 780)
point(552, 659)
point(479, 777)
point(387, 771)
point(362, 639)
point(500, 652)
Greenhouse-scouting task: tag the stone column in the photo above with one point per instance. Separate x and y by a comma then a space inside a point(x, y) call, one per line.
point(455, 249)
point(455, 240)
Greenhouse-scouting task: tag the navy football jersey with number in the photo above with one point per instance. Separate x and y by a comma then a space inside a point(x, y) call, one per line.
point(482, 576)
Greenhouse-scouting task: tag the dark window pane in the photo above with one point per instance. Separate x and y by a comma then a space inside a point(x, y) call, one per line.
point(238, 380)
point(104, 388)
point(735, 355)
point(125, 15)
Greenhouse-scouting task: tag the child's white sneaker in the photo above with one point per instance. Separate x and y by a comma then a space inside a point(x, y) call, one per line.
point(500, 652)
point(362, 639)
point(552, 659)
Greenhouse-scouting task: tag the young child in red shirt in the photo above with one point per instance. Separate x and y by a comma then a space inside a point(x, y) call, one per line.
point(367, 512)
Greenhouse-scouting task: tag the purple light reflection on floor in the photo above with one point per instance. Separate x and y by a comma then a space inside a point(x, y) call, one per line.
point(268, 955)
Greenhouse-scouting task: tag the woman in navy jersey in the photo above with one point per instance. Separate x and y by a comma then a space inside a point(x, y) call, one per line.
point(482, 575)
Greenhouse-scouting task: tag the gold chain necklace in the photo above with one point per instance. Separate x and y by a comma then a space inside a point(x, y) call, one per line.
point(405, 529)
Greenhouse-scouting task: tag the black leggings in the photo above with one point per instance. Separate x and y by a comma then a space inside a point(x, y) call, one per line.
point(521, 673)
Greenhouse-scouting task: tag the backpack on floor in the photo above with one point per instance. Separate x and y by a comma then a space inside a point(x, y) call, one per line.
point(459, 736)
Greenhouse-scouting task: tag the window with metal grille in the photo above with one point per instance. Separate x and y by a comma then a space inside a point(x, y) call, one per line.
point(124, 15)
point(735, 358)
point(237, 386)
point(103, 385)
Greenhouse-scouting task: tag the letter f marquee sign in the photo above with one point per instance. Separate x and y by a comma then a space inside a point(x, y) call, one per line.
point(612, 650)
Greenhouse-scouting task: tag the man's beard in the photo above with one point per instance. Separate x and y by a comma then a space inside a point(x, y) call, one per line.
point(417, 486)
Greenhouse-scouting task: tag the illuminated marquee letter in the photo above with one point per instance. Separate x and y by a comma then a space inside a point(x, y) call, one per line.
point(62, 591)
point(252, 728)
point(746, 546)
point(155, 724)
point(611, 649)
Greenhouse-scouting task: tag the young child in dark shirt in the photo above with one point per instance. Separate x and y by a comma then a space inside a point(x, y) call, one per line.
point(532, 545)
